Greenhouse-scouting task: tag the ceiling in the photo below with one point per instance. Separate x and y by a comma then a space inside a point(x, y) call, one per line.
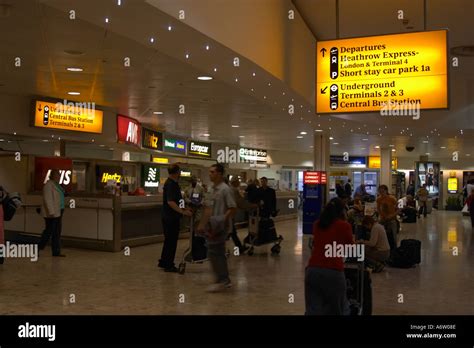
point(161, 78)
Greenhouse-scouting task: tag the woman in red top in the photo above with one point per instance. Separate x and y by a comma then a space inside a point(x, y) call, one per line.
point(325, 283)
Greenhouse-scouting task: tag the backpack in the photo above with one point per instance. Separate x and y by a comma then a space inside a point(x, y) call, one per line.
point(10, 204)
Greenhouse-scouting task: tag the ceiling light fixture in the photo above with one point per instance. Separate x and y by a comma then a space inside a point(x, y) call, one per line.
point(241, 136)
point(207, 47)
point(206, 135)
point(235, 126)
point(215, 69)
point(335, 143)
point(187, 55)
point(158, 112)
point(425, 141)
point(152, 39)
point(106, 20)
point(442, 147)
point(299, 137)
point(377, 146)
point(365, 139)
point(303, 133)
point(169, 28)
point(331, 138)
point(204, 78)
point(318, 130)
point(73, 69)
point(73, 93)
point(391, 145)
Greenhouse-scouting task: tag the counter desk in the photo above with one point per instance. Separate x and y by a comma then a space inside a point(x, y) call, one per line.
point(109, 223)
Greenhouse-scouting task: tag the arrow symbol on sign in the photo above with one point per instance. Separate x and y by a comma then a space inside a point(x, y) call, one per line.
point(323, 50)
point(323, 91)
point(39, 108)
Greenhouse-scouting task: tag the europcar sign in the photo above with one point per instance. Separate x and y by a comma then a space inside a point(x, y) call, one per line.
point(199, 149)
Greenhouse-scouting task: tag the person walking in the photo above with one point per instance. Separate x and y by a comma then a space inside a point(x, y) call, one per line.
point(422, 199)
point(387, 210)
point(325, 282)
point(53, 209)
point(219, 210)
point(243, 205)
point(170, 218)
point(348, 188)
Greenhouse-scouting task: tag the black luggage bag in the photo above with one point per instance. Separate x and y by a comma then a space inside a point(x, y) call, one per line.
point(407, 255)
point(359, 289)
point(266, 231)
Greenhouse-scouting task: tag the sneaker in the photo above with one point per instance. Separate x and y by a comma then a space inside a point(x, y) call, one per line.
point(218, 287)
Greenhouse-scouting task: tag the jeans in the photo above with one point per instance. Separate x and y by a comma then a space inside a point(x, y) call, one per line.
point(171, 232)
point(325, 292)
point(52, 230)
point(216, 255)
point(391, 228)
point(423, 208)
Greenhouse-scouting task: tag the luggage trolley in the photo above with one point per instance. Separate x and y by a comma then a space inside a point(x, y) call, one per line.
point(262, 232)
point(196, 252)
point(359, 287)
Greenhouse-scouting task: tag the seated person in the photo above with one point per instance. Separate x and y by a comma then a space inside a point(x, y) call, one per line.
point(408, 212)
point(355, 216)
point(377, 248)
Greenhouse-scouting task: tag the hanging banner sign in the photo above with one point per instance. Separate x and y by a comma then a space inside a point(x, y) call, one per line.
point(199, 149)
point(128, 130)
point(152, 139)
point(387, 73)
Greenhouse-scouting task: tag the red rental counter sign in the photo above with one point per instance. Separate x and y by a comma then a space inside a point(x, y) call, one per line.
point(314, 178)
point(128, 130)
point(43, 166)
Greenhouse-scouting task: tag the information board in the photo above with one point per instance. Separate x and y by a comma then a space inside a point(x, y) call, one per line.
point(372, 73)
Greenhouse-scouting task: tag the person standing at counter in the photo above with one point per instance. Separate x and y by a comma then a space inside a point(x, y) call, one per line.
point(171, 215)
point(53, 208)
point(268, 196)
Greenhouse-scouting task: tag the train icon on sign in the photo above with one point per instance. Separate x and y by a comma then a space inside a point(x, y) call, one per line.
point(334, 97)
point(333, 68)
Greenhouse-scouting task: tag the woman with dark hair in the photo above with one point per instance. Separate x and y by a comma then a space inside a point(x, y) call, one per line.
point(325, 283)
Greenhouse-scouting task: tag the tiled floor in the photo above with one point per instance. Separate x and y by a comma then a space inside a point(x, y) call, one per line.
point(106, 283)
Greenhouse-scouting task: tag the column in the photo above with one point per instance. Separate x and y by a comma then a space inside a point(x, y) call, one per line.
point(386, 167)
point(321, 154)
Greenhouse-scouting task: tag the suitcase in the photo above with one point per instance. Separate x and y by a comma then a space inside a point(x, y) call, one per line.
point(266, 231)
point(413, 248)
point(359, 288)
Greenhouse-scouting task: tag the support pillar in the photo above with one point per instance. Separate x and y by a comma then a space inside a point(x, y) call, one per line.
point(386, 167)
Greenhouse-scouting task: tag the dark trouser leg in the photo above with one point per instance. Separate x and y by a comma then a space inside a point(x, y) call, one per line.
point(171, 232)
point(56, 236)
point(425, 209)
point(391, 230)
point(46, 233)
point(235, 236)
point(216, 253)
point(325, 292)
point(472, 220)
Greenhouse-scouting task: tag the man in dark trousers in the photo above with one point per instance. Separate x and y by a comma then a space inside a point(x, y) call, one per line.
point(348, 188)
point(268, 196)
point(171, 214)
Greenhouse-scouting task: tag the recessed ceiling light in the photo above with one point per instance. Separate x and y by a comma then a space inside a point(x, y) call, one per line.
point(204, 78)
point(427, 153)
point(335, 143)
point(363, 148)
point(45, 140)
point(365, 139)
point(303, 133)
point(283, 93)
point(206, 135)
point(2, 139)
point(264, 97)
point(14, 133)
point(311, 146)
point(241, 136)
point(235, 126)
point(152, 39)
point(93, 140)
point(425, 141)
point(318, 130)
point(292, 99)
point(377, 147)
point(101, 145)
point(106, 20)
point(119, 2)
point(300, 137)
point(74, 69)
point(187, 55)
point(251, 89)
point(207, 47)
point(158, 112)
point(236, 80)
point(443, 147)
point(269, 84)
point(391, 145)
point(169, 28)
point(468, 154)
point(73, 93)
point(331, 138)
point(215, 69)
point(253, 74)
point(393, 150)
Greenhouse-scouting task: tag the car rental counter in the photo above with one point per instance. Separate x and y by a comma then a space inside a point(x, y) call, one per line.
point(109, 223)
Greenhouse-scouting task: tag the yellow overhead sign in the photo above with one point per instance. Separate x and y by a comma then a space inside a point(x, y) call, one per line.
point(161, 160)
point(374, 162)
point(72, 116)
point(382, 73)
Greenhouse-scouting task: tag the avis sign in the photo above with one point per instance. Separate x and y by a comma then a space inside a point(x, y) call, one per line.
point(128, 130)
point(44, 166)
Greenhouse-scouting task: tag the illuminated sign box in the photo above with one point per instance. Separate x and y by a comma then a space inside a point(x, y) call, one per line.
point(374, 162)
point(150, 176)
point(43, 167)
point(452, 185)
point(160, 160)
point(104, 174)
point(389, 73)
point(67, 115)
point(199, 149)
point(152, 139)
point(174, 145)
point(128, 130)
point(253, 155)
point(352, 161)
point(314, 178)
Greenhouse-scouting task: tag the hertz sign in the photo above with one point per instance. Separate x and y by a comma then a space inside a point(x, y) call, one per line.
point(379, 72)
point(152, 140)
